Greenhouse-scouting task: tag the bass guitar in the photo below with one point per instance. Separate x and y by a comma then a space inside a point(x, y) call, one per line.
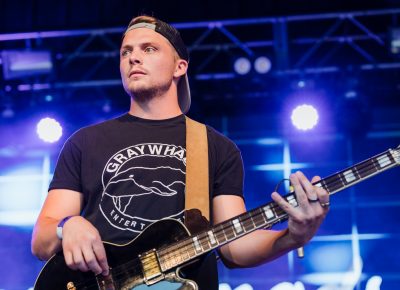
point(156, 258)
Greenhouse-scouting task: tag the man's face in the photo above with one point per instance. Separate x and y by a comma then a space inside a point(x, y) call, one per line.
point(147, 63)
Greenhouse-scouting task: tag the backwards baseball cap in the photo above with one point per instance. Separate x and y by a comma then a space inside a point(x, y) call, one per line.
point(174, 37)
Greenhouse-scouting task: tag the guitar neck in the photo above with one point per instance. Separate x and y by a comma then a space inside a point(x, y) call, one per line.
point(269, 214)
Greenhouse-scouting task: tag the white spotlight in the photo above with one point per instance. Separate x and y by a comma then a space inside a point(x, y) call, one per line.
point(304, 117)
point(242, 66)
point(262, 65)
point(49, 130)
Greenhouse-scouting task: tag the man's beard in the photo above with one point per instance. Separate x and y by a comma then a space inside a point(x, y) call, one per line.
point(145, 94)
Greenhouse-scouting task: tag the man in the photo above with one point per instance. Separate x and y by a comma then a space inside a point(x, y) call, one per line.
point(115, 178)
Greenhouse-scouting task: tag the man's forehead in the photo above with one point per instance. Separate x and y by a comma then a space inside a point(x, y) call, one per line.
point(144, 35)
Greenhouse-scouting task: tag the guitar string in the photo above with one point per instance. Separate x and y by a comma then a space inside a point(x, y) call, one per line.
point(364, 167)
point(204, 241)
point(367, 167)
point(258, 215)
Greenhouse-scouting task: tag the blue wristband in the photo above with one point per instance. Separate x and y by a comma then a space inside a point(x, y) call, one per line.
point(60, 226)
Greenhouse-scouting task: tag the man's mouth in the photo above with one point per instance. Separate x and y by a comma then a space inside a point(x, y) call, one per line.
point(136, 73)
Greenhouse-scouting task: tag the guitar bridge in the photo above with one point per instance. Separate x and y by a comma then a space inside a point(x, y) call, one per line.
point(151, 267)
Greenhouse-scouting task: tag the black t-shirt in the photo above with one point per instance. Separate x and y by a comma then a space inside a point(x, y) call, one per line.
point(131, 172)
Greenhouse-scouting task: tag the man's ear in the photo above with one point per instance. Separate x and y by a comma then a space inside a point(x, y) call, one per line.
point(181, 68)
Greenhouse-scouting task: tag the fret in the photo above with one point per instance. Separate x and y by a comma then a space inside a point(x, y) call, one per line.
point(291, 199)
point(212, 239)
point(237, 225)
point(229, 231)
point(391, 155)
point(364, 169)
point(356, 173)
point(250, 219)
point(268, 212)
point(349, 176)
point(184, 252)
point(196, 244)
point(175, 258)
point(383, 160)
point(204, 242)
point(188, 249)
point(259, 221)
point(395, 155)
point(220, 234)
point(246, 222)
point(374, 163)
point(164, 261)
point(167, 261)
point(258, 218)
point(333, 183)
point(343, 182)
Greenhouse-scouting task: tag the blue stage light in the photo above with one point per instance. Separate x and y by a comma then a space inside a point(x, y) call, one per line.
point(262, 65)
point(242, 66)
point(304, 117)
point(24, 63)
point(49, 130)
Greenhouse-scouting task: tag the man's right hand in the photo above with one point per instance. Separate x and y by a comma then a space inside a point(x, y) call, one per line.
point(83, 248)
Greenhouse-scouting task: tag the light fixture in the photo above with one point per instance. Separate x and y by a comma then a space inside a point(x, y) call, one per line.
point(262, 65)
point(242, 66)
point(49, 130)
point(25, 63)
point(304, 117)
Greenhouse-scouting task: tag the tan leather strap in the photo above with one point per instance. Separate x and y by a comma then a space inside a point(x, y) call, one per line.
point(197, 186)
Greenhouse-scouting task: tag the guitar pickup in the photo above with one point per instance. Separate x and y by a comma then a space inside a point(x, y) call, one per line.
point(151, 267)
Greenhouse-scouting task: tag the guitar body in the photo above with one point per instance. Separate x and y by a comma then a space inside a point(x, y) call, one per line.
point(126, 270)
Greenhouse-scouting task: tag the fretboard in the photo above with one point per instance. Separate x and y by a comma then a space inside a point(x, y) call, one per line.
point(268, 214)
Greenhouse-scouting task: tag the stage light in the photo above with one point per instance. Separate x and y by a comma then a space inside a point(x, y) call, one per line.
point(106, 107)
point(22, 63)
point(301, 84)
point(242, 66)
point(20, 193)
point(350, 94)
point(49, 130)
point(48, 98)
point(262, 65)
point(304, 117)
point(394, 40)
point(374, 283)
point(8, 112)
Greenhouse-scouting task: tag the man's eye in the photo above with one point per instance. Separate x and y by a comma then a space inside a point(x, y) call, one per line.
point(125, 53)
point(149, 49)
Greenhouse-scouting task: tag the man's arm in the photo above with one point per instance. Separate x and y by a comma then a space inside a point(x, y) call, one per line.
point(265, 245)
point(81, 243)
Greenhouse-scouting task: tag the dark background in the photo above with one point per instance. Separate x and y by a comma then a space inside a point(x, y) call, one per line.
point(333, 54)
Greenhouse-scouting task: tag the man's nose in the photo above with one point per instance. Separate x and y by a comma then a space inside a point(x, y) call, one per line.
point(135, 58)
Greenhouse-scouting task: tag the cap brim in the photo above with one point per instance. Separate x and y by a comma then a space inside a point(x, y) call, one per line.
point(184, 97)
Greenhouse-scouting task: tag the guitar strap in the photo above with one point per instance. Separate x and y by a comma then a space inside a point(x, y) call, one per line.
point(197, 194)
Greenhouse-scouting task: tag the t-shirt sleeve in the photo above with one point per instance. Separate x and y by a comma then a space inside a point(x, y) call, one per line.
point(67, 174)
point(229, 173)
